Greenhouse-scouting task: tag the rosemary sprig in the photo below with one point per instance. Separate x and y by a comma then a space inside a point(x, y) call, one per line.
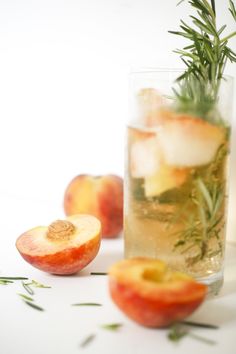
point(87, 304)
point(205, 59)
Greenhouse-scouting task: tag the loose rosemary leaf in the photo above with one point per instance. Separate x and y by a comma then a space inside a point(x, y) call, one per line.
point(232, 9)
point(87, 304)
point(27, 287)
point(87, 340)
point(38, 285)
point(112, 326)
point(25, 297)
point(13, 278)
point(98, 273)
point(201, 325)
point(202, 339)
point(34, 306)
point(6, 282)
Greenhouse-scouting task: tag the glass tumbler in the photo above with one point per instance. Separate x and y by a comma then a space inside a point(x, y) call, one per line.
point(176, 175)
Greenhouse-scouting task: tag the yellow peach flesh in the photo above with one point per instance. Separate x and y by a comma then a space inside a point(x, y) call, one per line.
point(87, 227)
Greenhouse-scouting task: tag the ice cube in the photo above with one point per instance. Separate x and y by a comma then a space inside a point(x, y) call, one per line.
point(145, 157)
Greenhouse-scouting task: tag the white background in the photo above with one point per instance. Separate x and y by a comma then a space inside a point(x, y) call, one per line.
point(64, 69)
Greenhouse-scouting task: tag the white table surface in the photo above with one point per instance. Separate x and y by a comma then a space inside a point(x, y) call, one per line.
point(61, 327)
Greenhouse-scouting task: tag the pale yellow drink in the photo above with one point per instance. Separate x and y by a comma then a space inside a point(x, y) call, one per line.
point(175, 192)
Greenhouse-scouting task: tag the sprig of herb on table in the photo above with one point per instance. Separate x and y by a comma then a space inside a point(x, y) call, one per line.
point(205, 58)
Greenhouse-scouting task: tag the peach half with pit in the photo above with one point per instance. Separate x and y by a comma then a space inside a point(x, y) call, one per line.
point(153, 295)
point(101, 196)
point(64, 247)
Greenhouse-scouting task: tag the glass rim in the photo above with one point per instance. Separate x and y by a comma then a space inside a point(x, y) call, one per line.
point(168, 70)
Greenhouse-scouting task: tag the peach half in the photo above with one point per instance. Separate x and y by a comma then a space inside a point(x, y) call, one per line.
point(64, 247)
point(151, 294)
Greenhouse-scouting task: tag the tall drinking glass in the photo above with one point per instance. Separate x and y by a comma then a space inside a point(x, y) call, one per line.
point(176, 176)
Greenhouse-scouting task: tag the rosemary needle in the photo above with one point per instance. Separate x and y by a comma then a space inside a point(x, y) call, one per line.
point(25, 297)
point(112, 326)
point(98, 273)
point(202, 325)
point(13, 278)
point(202, 339)
point(36, 307)
point(87, 340)
point(38, 285)
point(6, 282)
point(28, 288)
point(87, 304)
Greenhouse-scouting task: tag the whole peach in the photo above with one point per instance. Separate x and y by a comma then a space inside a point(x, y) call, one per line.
point(101, 196)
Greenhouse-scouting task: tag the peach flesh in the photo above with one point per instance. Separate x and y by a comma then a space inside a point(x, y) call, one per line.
point(62, 249)
point(152, 295)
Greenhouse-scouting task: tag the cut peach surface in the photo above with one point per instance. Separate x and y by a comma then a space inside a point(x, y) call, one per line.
point(189, 141)
point(64, 247)
point(164, 179)
point(148, 292)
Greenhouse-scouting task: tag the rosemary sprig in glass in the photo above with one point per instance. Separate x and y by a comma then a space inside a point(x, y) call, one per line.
point(205, 58)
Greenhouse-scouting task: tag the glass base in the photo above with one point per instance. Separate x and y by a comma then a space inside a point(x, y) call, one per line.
point(214, 283)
